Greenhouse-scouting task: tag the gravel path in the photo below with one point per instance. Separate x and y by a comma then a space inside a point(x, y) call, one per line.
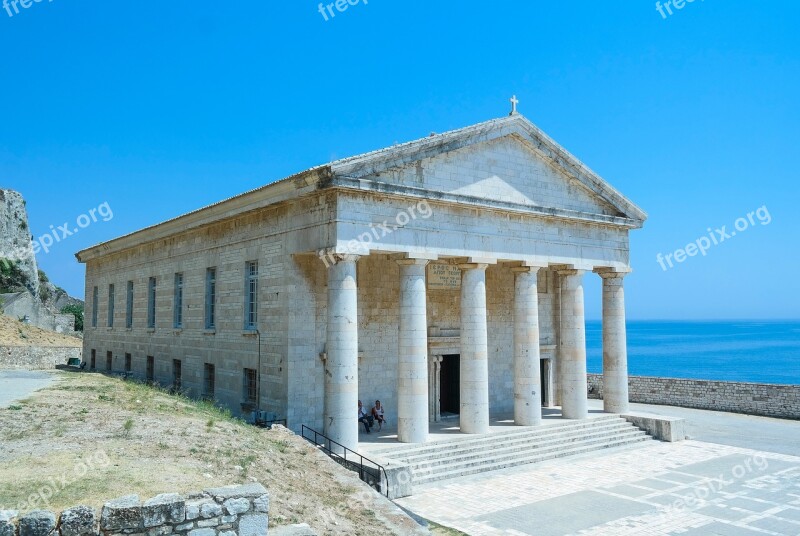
point(20, 384)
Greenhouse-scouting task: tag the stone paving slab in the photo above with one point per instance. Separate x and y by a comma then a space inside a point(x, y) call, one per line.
point(718, 529)
point(556, 517)
point(688, 488)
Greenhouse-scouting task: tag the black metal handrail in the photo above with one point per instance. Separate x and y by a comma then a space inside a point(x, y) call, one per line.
point(362, 470)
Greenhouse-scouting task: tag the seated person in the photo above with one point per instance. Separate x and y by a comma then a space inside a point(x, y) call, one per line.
point(378, 414)
point(362, 416)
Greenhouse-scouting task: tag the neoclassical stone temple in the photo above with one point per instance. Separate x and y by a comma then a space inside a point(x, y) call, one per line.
point(441, 276)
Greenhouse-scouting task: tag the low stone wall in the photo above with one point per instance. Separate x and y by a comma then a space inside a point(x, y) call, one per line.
point(35, 357)
point(767, 400)
point(228, 511)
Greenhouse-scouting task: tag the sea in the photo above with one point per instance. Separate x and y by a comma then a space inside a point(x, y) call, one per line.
point(736, 351)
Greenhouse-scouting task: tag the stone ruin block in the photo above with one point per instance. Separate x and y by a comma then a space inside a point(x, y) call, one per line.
point(37, 523)
point(122, 514)
point(165, 508)
point(78, 521)
point(7, 527)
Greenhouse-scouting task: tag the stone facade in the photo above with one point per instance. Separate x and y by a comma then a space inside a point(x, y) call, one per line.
point(767, 400)
point(228, 511)
point(347, 307)
point(36, 357)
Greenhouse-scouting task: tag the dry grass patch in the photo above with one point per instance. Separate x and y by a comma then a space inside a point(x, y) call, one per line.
point(90, 438)
point(16, 333)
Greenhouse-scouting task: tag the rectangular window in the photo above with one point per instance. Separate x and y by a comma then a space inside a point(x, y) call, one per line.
point(178, 304)
point(111, 306)
point(129, 306)
point(151, 303)
point(94, 306)
point(208, 381)
point(211, 298)
point(251, 296)
point(109, 361)
point(128, 364)
point(94, 360)
point(250, 386)
point(151, 369)
point(176, 374)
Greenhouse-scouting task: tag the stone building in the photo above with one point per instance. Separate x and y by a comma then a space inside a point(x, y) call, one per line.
point(440, 276)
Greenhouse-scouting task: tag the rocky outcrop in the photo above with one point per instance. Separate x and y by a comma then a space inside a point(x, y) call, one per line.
point(15, 242)
point(25, 291)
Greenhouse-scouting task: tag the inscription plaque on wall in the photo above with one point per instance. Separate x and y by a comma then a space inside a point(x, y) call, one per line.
point(444, 277)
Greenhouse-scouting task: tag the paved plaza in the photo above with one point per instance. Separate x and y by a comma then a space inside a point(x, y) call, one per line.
point(710, 487)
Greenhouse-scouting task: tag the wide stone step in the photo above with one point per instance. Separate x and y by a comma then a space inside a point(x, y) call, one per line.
point(582, 448)
point(493, 438)
point(522, 447)
point(528, 441)
point(502, 453)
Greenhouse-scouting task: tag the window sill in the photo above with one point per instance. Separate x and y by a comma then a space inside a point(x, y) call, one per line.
point(177, 331)
point(151, 330)
point(209, 332)
point(128, 329)
point(249, 333)
point(111, 328)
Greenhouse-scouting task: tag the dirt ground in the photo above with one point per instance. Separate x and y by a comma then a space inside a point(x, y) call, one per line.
point(15, 333)
point(89, 438)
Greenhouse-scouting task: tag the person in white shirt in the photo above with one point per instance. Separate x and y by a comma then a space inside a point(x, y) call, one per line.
point(362, 416)
point(378, 414)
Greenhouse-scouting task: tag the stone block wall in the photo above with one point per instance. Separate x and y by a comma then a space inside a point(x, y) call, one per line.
point(767, 400)
point(35, 357)
point(227, 511)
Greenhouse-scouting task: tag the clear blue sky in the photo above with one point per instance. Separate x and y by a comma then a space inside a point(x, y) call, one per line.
point(160, 108)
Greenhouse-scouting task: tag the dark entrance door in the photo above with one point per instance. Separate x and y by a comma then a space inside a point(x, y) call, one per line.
point(450, 387)
point(544, 386)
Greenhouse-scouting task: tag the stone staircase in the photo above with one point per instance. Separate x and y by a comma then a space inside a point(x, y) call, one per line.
point(466, 456)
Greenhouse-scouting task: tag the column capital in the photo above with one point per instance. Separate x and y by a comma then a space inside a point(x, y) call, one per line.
point(612, 273)
point(527, 269)
point(331, 258)
point(473, 266)
point(571, 272)
point(413, 262)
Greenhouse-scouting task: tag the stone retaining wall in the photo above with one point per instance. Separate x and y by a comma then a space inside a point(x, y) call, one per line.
point(767, 400)
point(229, 511)
point(35, 357)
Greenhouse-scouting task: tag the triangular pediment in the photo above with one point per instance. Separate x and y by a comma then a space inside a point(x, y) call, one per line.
point(507, 161)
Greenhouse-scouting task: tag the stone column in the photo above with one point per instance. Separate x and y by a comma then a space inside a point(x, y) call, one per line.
point(615, 347)
point(474, 351)
point(527, 374)
point(341, 366)
point(412, 372)
point(572, 347)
